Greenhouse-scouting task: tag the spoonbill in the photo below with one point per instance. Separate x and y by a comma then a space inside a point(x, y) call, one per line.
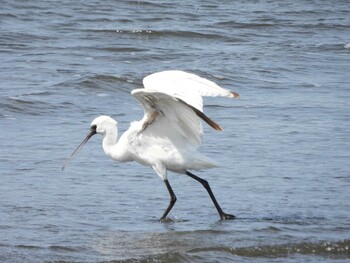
point(169, 134)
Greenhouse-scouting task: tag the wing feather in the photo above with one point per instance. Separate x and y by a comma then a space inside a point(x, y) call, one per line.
point(175, 116)
point(186, 86)
point(173, 105)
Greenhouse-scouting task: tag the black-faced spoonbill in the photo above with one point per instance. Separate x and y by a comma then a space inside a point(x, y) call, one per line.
point(169, 134)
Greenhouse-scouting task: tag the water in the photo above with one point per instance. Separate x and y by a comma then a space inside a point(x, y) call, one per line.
point(284, 149)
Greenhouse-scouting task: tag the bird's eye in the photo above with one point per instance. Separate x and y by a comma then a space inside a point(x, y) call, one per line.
point(93, 128)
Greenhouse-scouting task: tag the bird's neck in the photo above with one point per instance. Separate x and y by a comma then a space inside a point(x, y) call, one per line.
point(109, 139)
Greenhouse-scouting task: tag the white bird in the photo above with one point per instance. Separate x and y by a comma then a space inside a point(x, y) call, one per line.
point(169, 134)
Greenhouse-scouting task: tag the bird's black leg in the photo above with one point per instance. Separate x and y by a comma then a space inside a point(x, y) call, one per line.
point(207, 187)
point(172, 199)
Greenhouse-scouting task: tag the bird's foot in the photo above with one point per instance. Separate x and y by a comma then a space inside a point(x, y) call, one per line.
point(171, 220)
point(165, 220)
point(225, 216)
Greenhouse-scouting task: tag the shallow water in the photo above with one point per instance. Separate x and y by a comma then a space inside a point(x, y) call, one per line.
point(284, 149)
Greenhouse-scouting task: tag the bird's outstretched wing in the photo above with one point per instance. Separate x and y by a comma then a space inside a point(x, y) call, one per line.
point(185, 86)
point(172, 102)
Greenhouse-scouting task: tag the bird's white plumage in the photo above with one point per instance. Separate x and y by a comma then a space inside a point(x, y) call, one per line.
point(169, 134)
point(171, 129)
point(185, 86)
point(174, 117)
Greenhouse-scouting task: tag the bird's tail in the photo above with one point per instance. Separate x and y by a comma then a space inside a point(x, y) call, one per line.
point(203, 162)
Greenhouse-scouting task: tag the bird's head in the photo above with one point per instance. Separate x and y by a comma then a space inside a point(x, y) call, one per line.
point(99, 125)
point(102, 123)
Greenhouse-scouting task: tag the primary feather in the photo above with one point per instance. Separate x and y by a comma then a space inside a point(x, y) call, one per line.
point(185, 86)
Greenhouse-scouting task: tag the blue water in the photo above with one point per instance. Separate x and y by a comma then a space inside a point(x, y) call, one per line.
point(284, 150)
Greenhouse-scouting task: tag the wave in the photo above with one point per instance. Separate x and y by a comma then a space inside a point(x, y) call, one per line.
point(60, 97)
point(326, 249)
point(337, 248)
point(334, 250)
point(333, 47)
point(246, 25)
point(21, 104)
point(162, 33)
point(101, 83)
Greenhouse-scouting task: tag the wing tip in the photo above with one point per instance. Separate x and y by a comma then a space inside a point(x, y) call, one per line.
point(210, 122)
point(217, 127)
point(234, 95)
